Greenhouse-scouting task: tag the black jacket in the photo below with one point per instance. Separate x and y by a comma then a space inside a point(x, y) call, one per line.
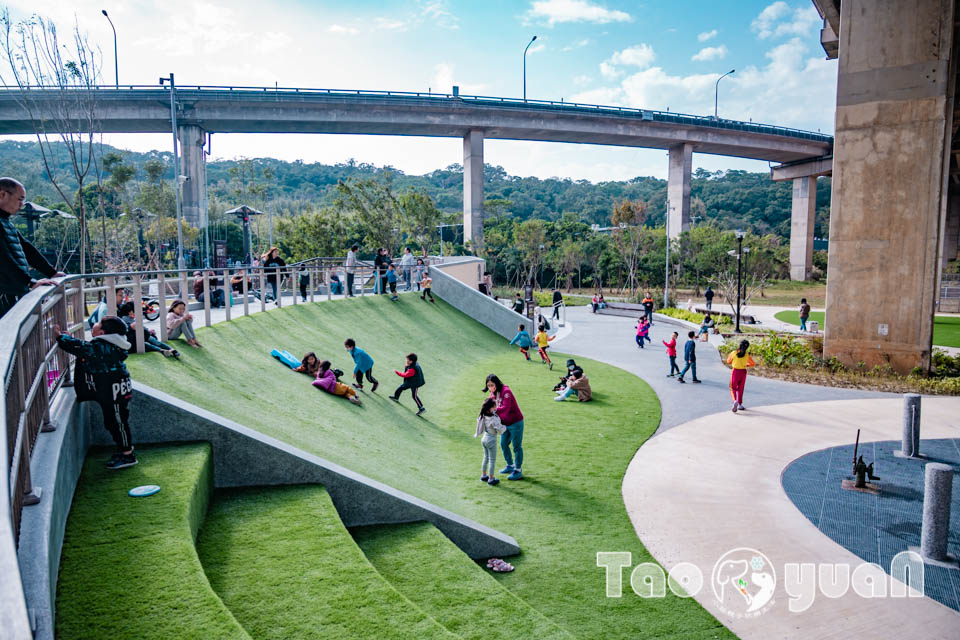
point(416, 380)
point(100, 373)
point(17, 257)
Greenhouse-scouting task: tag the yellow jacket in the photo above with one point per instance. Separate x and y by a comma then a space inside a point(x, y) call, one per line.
point(740, 363)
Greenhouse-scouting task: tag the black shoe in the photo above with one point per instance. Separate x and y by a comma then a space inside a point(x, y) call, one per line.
point(681, 381)
point(122, 461)
point(359, 387)
point(394, 398)
point(374, 387)
point(697, 380)
point(421, 411)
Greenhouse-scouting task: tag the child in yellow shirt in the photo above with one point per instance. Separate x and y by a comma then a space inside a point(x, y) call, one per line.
point(542, 340)
point(739, 362)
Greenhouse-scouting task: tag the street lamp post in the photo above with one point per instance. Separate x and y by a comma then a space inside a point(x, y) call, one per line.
point(525, 67)
point(740, 235)
point(666, 277)
point(716, 90)
point(116, 70)
point(181, 263)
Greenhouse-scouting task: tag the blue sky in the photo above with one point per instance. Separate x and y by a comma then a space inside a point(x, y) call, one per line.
point(656, 55)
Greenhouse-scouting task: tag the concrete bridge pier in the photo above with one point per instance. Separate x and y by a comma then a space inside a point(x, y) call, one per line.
point(890, 172)
point(678, 188)
point(193, 164)
point(473, 188)
point(802, 221)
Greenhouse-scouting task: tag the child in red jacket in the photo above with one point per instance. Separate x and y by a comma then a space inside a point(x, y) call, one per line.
point(672, 354)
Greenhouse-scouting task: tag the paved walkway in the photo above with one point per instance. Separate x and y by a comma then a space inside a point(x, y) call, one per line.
point(713, 485)
point(610, 339)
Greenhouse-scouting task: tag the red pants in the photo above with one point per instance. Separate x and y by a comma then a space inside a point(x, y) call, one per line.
point(738, 379)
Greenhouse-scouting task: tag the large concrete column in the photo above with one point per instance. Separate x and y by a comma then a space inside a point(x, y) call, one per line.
point(802, 221)
point(678, 188)
point(193, 164)
point(893, 122)
point(473, 188)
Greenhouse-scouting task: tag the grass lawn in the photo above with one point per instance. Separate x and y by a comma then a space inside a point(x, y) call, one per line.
point(284, 564)
point(567, 509)
point(946, 329)
point(777, 293)
point(129, 568)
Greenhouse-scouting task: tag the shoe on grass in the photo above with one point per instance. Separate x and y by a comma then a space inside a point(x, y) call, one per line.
point(354, 399)
point(507, 469)
point(516, 475)
point(551, 366)
point(559, 398)
point(484, 478)
point(493, 482)
point(394, 398)
point(421, 411)
point(122, 461)
point(374, 387)
point(358, 387)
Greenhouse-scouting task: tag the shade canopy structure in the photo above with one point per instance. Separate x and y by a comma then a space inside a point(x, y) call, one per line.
point(32, 209)
point(243, 210)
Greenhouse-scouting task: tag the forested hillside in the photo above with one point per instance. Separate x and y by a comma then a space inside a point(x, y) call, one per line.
point(732, 199)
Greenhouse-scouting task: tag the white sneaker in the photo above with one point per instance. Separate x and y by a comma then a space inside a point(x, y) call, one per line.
point(559, 398)
point(742, 408)
point(734, 407)
point(354, 399)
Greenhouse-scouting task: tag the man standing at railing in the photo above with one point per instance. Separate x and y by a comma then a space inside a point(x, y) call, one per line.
point(17, 256)
point(351, 267)
point(406, 267)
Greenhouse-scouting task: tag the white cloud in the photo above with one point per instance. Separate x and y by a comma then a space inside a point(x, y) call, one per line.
point(445, 76)
point(343, 29)
point(390, 24)
point(582, 80)
point(710, 53)
point(537, 48)
point(640, 55)
point(791, 89)
point(579, 44)
point(438, 11)
point(609, 71)
point(776, 20)
point(706, 35)
point(552, 12)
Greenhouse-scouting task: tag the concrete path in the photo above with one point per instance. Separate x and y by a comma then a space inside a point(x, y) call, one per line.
point(713, 485)
point(610, 339)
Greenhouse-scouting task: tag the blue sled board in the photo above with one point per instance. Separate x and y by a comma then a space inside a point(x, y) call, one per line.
point(285, 358)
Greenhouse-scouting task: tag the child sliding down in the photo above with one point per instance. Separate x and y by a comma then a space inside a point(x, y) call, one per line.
point(327, 380)
point(523, 340)
point(490, 427)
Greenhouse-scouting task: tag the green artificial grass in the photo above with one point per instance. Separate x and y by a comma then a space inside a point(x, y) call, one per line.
point(417, 557)
point(792, 316)
point(282, 561)
point(946, 329)
point(129, 568)
point(567, 509)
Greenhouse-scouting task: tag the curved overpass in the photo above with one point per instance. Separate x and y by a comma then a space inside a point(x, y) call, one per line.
point(202, 110)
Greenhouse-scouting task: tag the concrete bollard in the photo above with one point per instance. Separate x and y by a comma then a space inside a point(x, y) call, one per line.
point(937, 493)
point(910, 444)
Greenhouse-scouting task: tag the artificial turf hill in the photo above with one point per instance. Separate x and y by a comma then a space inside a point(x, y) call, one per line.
point(278, 562)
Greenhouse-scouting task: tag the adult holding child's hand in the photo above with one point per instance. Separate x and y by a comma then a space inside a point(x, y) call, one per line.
point(511, 417)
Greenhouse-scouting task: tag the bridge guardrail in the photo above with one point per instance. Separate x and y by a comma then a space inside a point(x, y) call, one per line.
point(672, 117)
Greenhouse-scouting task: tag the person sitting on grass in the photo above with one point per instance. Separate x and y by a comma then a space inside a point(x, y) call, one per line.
point(412, 379)
point(180, 322)
point(150, 340)
point(523, 340)
point(571, 367)
point(490, 427)
point(579, 384)
point(328, 380)
point(309, 364)
point(101, 376)
point(363, 364)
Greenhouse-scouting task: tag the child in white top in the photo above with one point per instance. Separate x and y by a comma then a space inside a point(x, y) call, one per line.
point(489, 426)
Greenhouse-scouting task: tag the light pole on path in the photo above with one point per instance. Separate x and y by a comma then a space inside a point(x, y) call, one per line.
point(525, 67)
point(740, 235)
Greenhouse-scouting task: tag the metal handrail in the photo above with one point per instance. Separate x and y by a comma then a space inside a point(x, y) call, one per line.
point(654, 115)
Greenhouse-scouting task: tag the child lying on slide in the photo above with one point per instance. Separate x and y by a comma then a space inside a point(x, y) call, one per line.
point(310, 364)
point(327, 380)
